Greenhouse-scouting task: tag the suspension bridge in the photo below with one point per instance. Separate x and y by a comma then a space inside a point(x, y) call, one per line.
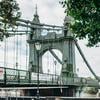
point(25, 71)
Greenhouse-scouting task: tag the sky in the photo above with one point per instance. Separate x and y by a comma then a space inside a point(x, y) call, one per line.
point(51, 12)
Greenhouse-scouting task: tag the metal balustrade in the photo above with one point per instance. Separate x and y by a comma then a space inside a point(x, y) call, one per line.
point(15, 76)
point(48, 98)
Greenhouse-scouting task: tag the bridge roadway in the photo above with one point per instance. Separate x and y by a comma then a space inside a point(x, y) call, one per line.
point(49, 98)
point(21, 78)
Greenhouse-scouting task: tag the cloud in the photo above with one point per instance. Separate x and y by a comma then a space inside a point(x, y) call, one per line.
point(48, 10)
point(27, 8)
point(51, 12)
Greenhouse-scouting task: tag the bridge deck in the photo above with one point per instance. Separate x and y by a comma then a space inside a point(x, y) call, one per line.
point(12, 77)
point(50, 98)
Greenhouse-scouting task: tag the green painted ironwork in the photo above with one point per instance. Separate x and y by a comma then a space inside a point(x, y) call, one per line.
point(12, 76)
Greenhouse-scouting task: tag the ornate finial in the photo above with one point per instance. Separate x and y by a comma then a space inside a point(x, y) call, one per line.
point(36, 16)
point(36, 10)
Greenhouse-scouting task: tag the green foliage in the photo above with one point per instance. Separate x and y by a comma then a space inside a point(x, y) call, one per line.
point(86, 14)
point(9, 13)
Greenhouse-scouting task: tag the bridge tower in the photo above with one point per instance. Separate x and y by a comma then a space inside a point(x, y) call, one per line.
point(35, 35)
point(63, 42)
point(53, 40)
point(68, 50)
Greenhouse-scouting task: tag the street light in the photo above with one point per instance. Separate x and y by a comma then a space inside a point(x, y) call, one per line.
point(38, 47)
point(55, 62)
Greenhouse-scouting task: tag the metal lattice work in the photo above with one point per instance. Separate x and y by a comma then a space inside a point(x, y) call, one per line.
point(25, 56)
point(12, 76)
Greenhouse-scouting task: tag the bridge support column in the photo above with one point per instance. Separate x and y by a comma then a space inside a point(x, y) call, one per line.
point(33, 59)
point(98, 93)
point(68, 92)
point(22, 92)
point(25, 92)
point(79, 91)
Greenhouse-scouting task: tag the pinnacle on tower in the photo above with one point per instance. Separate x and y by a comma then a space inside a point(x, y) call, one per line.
point(36, 16)
point(36, 12)
point(67, 19)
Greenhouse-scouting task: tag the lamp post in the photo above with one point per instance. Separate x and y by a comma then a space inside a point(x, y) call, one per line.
point(38, 47)
point(55, 62)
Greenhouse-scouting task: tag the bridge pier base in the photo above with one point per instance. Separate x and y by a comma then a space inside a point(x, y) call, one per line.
point(68, 92)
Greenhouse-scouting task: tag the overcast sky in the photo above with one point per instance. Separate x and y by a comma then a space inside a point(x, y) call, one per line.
point(51, 12)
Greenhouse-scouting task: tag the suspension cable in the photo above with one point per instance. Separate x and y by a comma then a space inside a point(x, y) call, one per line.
point(26, 50)
point(17, 50)
point(5, 51)
point(14, 52)
point(86, 62)
point(41, 53)
point(48, 53)
point(20, 52)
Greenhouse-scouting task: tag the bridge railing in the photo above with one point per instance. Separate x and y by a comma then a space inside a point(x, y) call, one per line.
point(47, 98)
point(80, 81)
point(9, 76)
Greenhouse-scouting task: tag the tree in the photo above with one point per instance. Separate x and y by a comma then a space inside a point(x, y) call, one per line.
point(9, 14)
point(86, 14)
